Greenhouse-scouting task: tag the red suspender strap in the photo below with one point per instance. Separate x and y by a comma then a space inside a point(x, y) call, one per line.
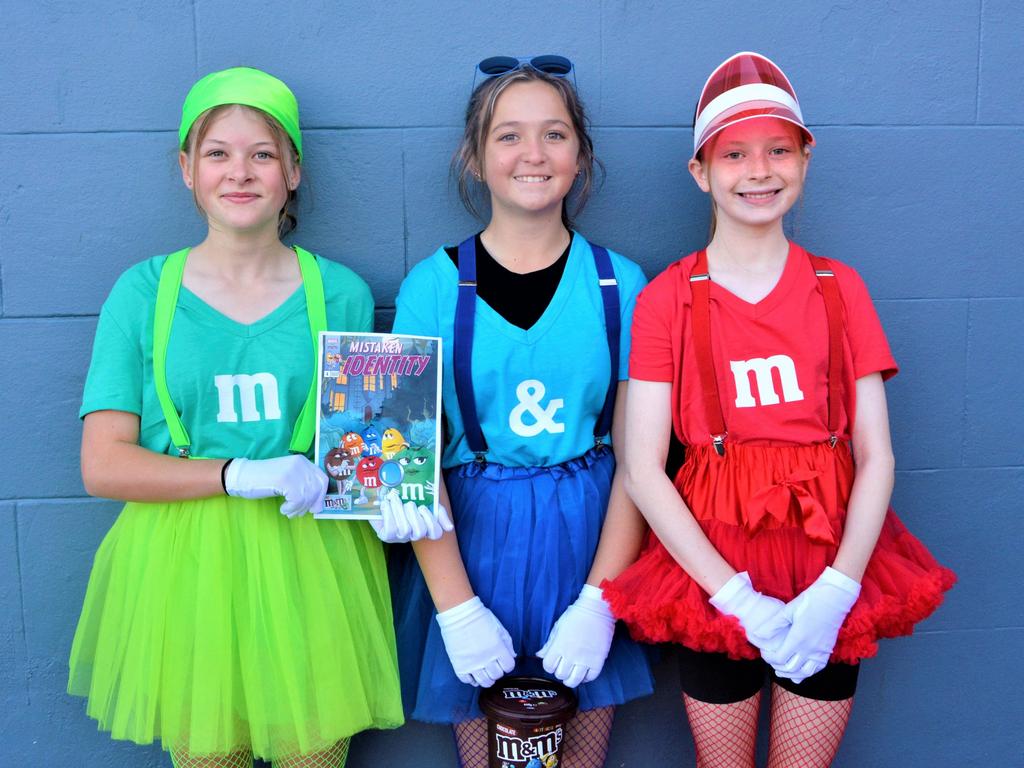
point(834, 314)
point(700, 289)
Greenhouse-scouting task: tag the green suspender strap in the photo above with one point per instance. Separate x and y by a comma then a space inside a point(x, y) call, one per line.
point(316, 309)
point(167, 301)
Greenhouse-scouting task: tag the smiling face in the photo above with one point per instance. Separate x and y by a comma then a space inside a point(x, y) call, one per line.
point(237, 172)
point(754, 171)
point(530, 151)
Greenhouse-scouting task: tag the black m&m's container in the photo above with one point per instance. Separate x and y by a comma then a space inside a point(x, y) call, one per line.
point(527, 718)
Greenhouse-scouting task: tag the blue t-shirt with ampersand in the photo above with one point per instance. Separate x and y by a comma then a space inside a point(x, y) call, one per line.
point(538, 391)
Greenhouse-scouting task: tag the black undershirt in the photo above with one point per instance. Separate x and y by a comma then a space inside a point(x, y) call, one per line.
point(519, 298)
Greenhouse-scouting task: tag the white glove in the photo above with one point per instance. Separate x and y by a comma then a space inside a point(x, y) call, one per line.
point(478, 646)
point(408, 522)
point(761, 616)
point(580, 640)
point(816, 615)
point(301, 483)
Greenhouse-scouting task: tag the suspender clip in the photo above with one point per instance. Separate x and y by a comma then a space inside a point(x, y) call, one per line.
point(599, 442)
point(481, 457)
point(184, 453)
point(833, 439)
point(719, 442)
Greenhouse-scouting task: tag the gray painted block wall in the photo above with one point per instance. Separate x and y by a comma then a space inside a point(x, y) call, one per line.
point(916, 181)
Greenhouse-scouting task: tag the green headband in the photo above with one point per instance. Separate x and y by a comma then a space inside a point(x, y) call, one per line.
point(242, 85)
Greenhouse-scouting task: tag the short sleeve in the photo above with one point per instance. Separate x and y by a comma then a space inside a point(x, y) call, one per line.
point(349, 300)
point(115, 377)
point(416, 312)
point(868, 343)
point(365, 313)
point(631, 282)
point(651, 356)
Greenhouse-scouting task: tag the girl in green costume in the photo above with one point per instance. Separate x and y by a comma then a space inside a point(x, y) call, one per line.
point(220, 618)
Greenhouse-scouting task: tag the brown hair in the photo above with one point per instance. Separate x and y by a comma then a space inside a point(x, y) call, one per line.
point(468, 157)
point(287, 156)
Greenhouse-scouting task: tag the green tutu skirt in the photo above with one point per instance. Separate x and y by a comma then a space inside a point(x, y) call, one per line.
point(219, 624)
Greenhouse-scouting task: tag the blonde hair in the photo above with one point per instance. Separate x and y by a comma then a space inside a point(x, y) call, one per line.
point(468, 158)
point(287, 157)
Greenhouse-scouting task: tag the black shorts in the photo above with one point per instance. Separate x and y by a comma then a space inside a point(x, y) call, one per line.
point(714, 678)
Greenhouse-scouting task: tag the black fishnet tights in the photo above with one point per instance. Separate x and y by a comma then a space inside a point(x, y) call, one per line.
point(586, 740)
point(724, 735)
point(805, 733)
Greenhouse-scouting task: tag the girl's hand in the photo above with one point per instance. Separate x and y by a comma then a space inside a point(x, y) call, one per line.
point(762, 617)
point(408, 522)
point(302, 484)
point(816, 615)
point(478, 646)
point(580, 640)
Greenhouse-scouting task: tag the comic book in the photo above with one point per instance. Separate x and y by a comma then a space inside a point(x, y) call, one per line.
point(378, 427)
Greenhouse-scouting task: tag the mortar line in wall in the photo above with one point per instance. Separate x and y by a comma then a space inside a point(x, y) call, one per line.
point(977, 74)
point(195, 41)
point(97, 131)
point(405, 214)
point(7, 318)
point(962, 630)
point(965, 398)
point(50, 499)
point(56, 499)
point(596, 127)
point(908, 471)
point(21, 604)
point(600, 54)
point(1010, 297)
point(959, 467)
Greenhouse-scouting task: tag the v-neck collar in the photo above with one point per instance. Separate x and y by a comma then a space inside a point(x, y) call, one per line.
point(796, 259)
point(205, 312)
point(488, 315)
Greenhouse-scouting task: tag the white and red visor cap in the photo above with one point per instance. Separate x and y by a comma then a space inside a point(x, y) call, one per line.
point(744, 87)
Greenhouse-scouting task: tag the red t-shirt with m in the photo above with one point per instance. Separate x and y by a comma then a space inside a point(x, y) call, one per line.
point(771, 358)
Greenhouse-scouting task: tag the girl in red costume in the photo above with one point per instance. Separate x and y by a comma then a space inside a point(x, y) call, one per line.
point(768, 363)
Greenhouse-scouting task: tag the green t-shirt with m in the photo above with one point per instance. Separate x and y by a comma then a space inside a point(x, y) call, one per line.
point(238, 387)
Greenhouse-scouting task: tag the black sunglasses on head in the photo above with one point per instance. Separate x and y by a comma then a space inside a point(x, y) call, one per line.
point(550, 64)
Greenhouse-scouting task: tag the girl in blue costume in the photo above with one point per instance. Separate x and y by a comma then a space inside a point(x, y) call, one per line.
point(535, 322)
point(220, 618)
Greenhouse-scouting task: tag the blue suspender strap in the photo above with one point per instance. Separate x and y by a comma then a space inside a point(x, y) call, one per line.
point(465, 315)
point(612, 323)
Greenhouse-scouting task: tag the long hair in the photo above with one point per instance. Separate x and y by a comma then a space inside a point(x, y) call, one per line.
point(467, 162)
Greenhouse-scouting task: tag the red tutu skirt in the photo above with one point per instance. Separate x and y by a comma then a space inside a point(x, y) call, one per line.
point(776, 512)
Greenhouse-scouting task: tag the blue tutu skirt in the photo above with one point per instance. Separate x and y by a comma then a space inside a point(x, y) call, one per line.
point(528, 537)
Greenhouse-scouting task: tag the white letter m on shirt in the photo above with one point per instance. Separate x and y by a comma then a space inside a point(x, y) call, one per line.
point(246, 385)
point(762, 368)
